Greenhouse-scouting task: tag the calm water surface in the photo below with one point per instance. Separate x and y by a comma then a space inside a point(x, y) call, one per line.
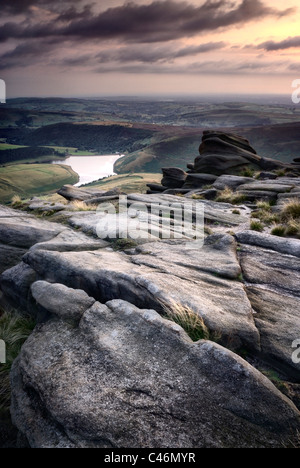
point(91, 168)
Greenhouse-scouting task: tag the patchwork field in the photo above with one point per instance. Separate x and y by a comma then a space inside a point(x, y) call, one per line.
point(26, 180)
point(128, 183)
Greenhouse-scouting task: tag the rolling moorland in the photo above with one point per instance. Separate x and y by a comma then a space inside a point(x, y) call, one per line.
point(154, 340)
point(151, 133)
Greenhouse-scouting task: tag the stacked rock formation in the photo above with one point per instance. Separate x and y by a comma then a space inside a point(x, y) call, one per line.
point(222, 154)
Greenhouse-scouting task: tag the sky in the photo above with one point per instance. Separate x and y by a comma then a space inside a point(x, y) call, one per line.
point(144, 47)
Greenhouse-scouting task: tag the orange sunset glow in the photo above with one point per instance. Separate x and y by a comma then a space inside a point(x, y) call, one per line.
point(85, 48)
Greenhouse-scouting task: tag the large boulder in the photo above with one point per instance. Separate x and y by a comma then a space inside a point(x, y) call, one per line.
point(194, 181)
point(10, 256)
point(173, 177)
point(25, 231)
point(70, 193)
point(126, 377)
point(63, 302)
point(227, 153)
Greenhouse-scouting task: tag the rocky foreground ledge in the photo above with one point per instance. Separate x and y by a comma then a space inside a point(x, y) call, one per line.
point(107, 367)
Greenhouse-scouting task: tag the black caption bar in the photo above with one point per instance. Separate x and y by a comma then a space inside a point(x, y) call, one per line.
point(138, 457)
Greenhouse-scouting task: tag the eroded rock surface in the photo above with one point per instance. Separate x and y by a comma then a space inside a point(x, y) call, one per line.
point(126, 377)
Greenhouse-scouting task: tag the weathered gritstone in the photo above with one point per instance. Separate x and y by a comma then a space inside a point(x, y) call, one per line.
point(271, 271)
point(122, 365)
point(126, 377)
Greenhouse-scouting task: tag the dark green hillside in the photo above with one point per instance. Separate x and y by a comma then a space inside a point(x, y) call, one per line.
point(281, 142)
point(174, 151)
point(101, 138)
point(20, 154)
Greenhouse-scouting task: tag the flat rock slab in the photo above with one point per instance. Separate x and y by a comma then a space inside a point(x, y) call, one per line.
point(68, 241)
point(6, 212)
point(27, 231)
point(272, 280)
point(267, 241)
point(46, 207)
point(269, 187)
point(205, 279)
point(213, 211)
point(278, 321)
point(128, 378)
point(20, 231)
point(231, 181)
point(69, 192)
point(278, 271)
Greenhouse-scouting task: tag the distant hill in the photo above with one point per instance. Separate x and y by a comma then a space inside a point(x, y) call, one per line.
point(27, 180)
point(281, 142)
point(19, 154)
point(102, 138)
point(152, 133)
point(182, 112)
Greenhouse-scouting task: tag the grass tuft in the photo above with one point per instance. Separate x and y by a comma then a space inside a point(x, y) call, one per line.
point(16, 201)
point(291, 210)
point(256, 226)
point(124, 244)
point(225, 195)
point(264, 205)
point(279, 230)
point(192, 323)
point(189, 320)
point(293, 228)
point(228, 196)
point(14, 330)
point(78, 205)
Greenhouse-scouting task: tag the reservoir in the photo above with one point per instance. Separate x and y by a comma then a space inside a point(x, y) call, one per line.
point(91, 168)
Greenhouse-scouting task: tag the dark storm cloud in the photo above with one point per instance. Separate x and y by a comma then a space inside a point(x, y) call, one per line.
point(72, 14)
point(168, 20)
point(159, 21)
point(25, 55)
point(22, 6)
point(288, 43)
point(203, 68)
point(155, 54)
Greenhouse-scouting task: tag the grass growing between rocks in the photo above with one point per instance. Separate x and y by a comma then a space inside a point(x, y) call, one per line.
point(285, 223)
point(77, 205)
point(291, 211)
point(289, 219)
point(192, 323)
point(256, 226)
point(248, 172)
point(16, 201)
point(124, 244)
point(14, 330)
point(229, 196)
point(278, 231)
